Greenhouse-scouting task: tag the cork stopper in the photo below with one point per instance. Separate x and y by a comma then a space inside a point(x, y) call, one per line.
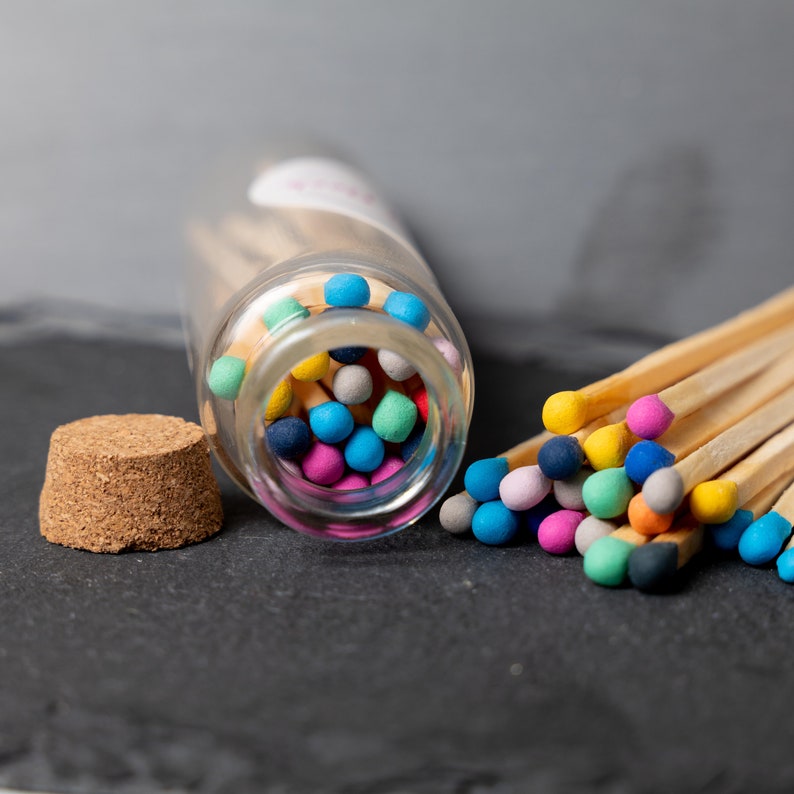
point(136, 482)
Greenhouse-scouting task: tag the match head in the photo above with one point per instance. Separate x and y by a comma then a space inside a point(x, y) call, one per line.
point(351, 482)
point(395, 417)
point(556, 532)
point(524, 487)
point(409, 308)
point(569, 492)
point(288, 437)
point(606, 561)
point(352, 384)
point(331, 422)
point(644, 458)
point(762, 540)
point(663, 491)
point(560, 457)
point(347, 355)
point(645, 520)
point(725, 536)
point(226, 377)
point(590, 530)
point(714, 501)
point(395, 366)
point(347, 289)
point(649, 417)
point(565, 412)
point(391, 465)
point(493, 524)
point(411, 444)
point(652, 567)
point(279, 401)
point(323, 464)
point(607, 447)
point(449, 353)
point(482, 478)
point(312, 368)
point(364, 450)
point(535, 515)
point(607, 493)
point(785, 566)
point(457, 512)
point(282, 312)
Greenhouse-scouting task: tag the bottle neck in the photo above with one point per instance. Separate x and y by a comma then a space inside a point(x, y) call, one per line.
point(378, 509)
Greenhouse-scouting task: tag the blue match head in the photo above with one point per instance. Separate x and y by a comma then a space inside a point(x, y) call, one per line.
point(408, 308)
point(411, 444)
point(560, 457)
point(725, 536)
point(364, 450)
point(762, 540)
point(482, 478)
point(331, 422)
point(288, 437)
point(785, 566)
point(495, 525)
point(644, 458)
point(347, 355)
point(536, 514)
point(347, 289)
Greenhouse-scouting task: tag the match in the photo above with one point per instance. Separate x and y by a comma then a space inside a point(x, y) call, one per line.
point(650, 416)
point(568, 411)
point(665, 489)
point(762, 541)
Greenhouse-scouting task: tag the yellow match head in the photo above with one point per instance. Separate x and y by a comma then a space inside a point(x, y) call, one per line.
point(714, 501)
point(607, 447)
point(565, 412)
point(279, 401)
point(312, 369)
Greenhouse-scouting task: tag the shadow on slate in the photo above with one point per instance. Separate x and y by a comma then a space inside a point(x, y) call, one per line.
point(265, 661)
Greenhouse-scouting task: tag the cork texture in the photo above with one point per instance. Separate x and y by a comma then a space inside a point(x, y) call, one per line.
point(133, 482)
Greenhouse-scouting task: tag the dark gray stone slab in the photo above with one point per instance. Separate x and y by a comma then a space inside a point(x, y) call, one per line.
point(265, 661)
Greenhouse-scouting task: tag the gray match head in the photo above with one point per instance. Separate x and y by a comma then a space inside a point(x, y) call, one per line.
point(352, 384)
point(456, 513)
point(663, 491)
point(590, 529)
point(395, 366)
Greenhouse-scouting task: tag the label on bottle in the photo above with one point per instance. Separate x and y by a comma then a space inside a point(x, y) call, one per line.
point(323, 184)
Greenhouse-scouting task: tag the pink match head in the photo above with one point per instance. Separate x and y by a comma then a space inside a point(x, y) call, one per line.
point(557, 532)
point(649, 417)
point(390, 465)
point(450, 353)
point(351, 482)
point(524, 487)
point(323, 464)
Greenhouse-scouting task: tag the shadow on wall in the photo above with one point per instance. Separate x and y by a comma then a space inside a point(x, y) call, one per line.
point(649, 235)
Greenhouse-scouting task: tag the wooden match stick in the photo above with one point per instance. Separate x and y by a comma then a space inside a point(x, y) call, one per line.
point(715, 501)
point(665, 488)
point(566, 412)
point(652, 567)
point(695, 430)
point(652, 415)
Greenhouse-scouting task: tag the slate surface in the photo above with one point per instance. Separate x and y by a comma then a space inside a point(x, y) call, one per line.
point(264, 661)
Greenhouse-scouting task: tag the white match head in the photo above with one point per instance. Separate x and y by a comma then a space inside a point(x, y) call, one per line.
point(395, 366)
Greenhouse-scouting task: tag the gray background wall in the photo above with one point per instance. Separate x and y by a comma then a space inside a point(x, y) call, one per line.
point(617, 163)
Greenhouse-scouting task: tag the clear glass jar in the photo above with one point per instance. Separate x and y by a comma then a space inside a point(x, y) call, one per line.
point(272, 233)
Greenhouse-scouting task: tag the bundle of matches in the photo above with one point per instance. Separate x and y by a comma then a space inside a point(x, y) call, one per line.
point(691, 446)
point(346, 418)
